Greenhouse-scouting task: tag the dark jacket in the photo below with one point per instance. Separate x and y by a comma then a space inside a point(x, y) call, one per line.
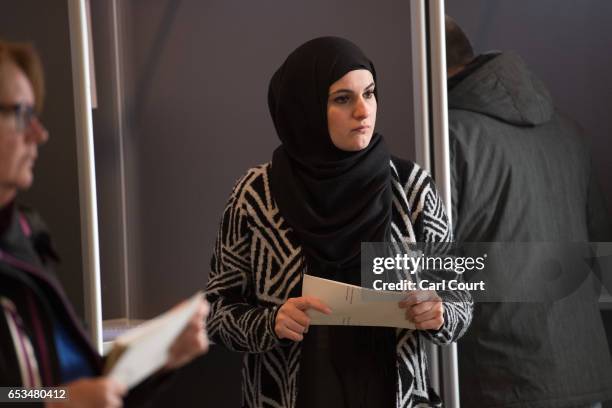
point(522, 173)
point(26, 263)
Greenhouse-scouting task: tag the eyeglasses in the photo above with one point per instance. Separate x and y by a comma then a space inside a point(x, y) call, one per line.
point(24, 114)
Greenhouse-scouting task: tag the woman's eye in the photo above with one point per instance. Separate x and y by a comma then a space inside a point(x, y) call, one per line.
point(369, 94)
point(341, 99)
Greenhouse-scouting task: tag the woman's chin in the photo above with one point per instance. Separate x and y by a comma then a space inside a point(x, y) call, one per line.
point(25, 181)
point(356, 144)
point(361, 144)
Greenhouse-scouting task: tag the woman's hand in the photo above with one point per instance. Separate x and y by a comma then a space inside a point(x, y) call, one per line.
point(192, 342)
point(98, 392)
point(292, 321)
point(425, 309)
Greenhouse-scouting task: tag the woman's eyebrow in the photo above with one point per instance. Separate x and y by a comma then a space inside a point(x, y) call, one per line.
point(350, 90)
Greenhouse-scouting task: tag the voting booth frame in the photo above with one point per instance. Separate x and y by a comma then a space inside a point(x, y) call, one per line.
point(432, 151)
point(431, 138)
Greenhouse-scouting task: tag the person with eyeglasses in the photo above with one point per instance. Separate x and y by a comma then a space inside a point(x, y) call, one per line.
point(24, 115)
point(41, 341)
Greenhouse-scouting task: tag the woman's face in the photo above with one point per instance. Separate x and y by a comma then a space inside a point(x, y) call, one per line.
point(351, 110)
point(18, 140)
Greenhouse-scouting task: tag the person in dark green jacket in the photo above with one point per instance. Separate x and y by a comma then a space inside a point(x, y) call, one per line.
point(521, 173)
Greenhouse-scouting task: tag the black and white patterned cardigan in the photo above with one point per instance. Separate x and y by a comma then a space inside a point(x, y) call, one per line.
point(257, 266)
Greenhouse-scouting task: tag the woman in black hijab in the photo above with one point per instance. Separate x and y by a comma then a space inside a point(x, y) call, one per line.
point(332, 184)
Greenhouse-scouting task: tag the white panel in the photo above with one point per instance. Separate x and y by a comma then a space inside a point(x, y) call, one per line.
point(433, 138)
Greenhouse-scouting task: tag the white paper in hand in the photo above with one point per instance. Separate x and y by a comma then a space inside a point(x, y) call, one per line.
point(144, 350)
point(349, 308)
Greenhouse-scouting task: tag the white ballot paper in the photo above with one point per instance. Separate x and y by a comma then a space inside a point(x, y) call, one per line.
point(355, 306)
point(142, 351)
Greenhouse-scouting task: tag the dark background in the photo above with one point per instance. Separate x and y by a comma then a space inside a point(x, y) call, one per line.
point(198, 118)
point(567, 44)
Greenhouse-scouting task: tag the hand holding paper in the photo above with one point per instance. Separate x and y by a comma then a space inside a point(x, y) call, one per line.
point(91, 392)
point(170, 340)
point(292, 321)
point(425, 309)
point(349, 308)
point(192, 342)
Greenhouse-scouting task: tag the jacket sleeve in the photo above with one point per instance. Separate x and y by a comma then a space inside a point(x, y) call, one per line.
point(458, 173)
point(432, 226)
point(237, 320)
point(599, 223)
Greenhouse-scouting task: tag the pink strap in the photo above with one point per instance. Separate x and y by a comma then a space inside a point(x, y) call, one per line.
point(25, 226)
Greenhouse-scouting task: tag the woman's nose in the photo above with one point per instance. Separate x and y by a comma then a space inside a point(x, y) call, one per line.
point(361, 110)
point(37, 132)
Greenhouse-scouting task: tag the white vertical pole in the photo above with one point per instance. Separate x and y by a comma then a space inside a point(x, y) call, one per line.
point(450, 367)
point(432, 149)
point(420, 72)
point(439, 101)
point(79, 44)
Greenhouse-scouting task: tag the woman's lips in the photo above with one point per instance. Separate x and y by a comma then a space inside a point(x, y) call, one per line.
point(361, 129)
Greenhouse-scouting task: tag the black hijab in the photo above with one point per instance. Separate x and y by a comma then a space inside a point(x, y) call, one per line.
point(333, 199)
